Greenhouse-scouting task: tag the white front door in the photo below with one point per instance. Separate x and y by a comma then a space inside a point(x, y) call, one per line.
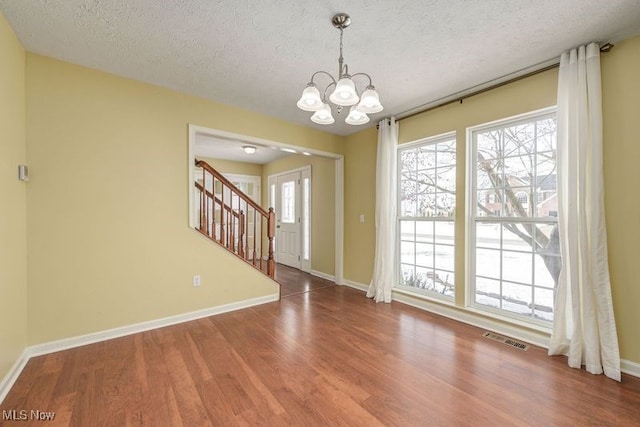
point(288, 219)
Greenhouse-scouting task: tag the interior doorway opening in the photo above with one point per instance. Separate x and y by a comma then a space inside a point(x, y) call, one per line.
point(324, 258)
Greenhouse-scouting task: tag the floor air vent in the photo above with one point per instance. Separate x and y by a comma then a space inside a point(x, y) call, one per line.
point(506, 340)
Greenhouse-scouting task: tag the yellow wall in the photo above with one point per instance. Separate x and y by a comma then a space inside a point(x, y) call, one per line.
point(360, 195)
point(621, 91)
point(13, 226)
point(621, 94)
point(232, 167)
point(109, 242)
point(322, 205)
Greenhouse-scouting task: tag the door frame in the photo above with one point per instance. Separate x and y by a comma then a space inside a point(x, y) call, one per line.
point(305, 171)
point(194, 130)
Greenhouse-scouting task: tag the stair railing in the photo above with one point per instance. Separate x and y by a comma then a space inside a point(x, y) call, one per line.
point(232, 219)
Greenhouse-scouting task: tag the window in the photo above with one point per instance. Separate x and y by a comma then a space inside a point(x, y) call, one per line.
point(426, 206)
point(306, 220)
point(288, 207)
point(514, 247)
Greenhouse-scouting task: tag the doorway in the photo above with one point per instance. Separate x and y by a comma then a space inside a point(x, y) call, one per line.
point(290, 195)
point(199, 133)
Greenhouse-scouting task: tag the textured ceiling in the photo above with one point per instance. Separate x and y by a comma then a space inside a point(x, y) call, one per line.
point(259, 56)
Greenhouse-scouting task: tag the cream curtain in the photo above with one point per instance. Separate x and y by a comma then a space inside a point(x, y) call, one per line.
point(384, 269)
point(584, 326)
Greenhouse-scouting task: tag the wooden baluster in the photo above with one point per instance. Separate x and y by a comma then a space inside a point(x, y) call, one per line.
point(241, 234)
point(230, 242)
point(203, 217)
point(261, 254)
point(221, 210)
point(246, 235)
point(206, 212)
point(239, 220)
point(271, 225)
point(255, 238)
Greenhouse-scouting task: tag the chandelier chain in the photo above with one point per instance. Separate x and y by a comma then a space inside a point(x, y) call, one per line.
point(340, 59)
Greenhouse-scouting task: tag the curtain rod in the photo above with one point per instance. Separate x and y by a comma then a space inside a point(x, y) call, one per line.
point(604, 48)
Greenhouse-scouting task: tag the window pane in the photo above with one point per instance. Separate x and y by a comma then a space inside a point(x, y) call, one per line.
point(516, 236)
point(489, 202)
point(288, 202)
point(407, 230)
point(445, 232)
point(516, 266)
point(519, 140)
point(407, 252)
point(408, 198)
point(443, 282)
point(424, 254)
point(306, 224)
point(488, 292)
point(426, 157)
point(516, 298)
point(444, 257)
point(488, 263)
point(518, 170)
point(488, 235)
point(543, 308)
point(407, 275)
point(424, 278)
point(446, 153)
point(424, 231)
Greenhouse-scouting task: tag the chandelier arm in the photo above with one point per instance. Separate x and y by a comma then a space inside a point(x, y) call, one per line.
point(366, 75)
point(324, 95)
point(323, 72)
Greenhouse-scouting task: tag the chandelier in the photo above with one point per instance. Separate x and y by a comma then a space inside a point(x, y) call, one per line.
point(344, 91)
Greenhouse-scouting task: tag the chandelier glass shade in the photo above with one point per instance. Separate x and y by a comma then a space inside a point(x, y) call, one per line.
point(343, 91)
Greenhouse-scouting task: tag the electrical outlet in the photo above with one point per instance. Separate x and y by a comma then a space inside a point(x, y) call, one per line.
point(196, 280)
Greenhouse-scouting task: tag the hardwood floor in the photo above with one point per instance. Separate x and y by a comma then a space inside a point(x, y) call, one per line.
point(327, 357)
point(293, 281)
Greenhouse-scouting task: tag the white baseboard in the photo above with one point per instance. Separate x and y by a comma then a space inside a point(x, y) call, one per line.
point(67, 343)
point(355, 285)
point(630, 368)
point(10, 378)
point(323, 275)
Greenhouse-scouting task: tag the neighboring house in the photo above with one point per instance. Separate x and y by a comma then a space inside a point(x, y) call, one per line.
point(542, 198)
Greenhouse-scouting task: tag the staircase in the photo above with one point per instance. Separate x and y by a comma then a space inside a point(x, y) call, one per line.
point(234, 221)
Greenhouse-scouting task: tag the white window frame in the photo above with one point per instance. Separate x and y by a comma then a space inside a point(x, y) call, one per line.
point(398, 262)
point(470, 226)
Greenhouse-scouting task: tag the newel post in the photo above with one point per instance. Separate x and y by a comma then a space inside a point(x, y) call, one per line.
point(271, 232)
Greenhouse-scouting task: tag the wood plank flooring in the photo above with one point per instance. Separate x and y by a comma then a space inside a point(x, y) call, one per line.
point(293, 281)
point(325, 357)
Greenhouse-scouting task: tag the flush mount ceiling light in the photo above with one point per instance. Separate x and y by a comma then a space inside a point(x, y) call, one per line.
point(249, 149)
point(344, 92)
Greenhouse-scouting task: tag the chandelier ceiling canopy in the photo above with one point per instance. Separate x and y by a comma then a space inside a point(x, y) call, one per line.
point(344, 94)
